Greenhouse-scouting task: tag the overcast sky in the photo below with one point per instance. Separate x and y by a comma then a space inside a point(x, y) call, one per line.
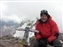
point(31, 0)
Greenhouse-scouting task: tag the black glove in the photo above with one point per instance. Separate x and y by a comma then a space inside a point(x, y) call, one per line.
point(42, 42)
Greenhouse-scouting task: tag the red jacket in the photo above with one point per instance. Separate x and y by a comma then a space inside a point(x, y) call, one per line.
point(47, 30)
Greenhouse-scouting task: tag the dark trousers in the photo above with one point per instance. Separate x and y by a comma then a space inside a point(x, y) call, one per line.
point(43, 43)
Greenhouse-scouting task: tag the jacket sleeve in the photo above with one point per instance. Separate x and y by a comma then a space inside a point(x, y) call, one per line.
point(37, 26)
point(37, 35)
point(54, 32)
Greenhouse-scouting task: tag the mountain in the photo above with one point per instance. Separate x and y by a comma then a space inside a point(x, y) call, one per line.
point(8, 23)
point(7, 28)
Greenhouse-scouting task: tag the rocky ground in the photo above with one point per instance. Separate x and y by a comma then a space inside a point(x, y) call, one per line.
point(8, 41)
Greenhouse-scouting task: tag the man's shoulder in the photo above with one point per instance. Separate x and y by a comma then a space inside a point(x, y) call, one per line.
point(37, 22)
point(52, 22)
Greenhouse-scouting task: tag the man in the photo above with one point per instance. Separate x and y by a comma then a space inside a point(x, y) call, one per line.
point(48, 31)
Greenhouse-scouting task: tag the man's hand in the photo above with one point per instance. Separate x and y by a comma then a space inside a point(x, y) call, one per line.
point(32, 30)
point(36, 31)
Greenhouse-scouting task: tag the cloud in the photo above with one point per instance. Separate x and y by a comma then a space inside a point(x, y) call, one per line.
point(32, 0)
point(14, 18)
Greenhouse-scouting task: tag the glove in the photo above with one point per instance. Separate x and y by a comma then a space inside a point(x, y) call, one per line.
point(43, 43)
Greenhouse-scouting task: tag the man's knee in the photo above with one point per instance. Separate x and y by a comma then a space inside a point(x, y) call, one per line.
point(57, 43)
point(40, 43)
point(36, 44)
point(43, 43)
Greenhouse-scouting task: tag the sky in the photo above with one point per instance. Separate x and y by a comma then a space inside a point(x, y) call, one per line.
point(31, 0)
point(18, 11)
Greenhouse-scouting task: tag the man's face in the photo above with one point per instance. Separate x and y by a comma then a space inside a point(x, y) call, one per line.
point(44, 18)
